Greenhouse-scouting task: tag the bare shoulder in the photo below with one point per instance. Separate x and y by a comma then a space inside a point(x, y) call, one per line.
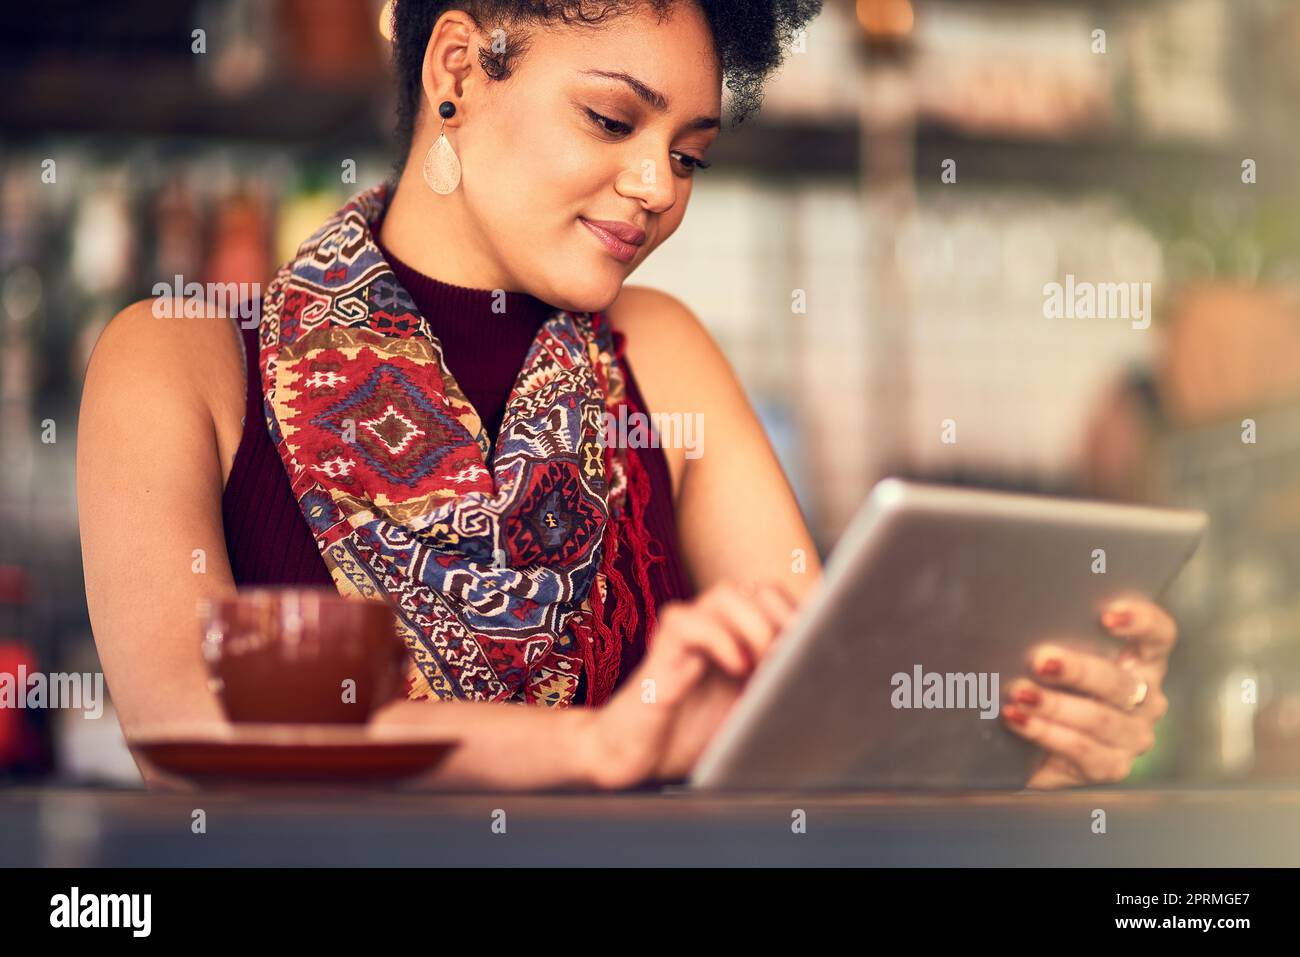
point(654, 318)
point(141, 335)
point(165, 371)
point(672, 354)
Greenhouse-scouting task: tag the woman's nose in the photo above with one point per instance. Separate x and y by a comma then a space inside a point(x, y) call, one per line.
point(653, 183)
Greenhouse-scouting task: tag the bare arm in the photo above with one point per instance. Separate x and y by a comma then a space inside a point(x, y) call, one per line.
point(736, 513)
point(149, 501)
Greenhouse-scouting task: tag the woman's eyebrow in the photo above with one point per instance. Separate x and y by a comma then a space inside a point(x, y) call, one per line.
point(653, 97)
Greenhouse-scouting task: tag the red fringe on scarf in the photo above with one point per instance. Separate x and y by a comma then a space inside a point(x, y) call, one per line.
point(602, 658)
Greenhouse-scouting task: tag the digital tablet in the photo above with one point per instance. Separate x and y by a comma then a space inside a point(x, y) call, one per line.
point(893, 673)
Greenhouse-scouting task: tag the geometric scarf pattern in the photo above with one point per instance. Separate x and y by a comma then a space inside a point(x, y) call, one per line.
point(499, 564)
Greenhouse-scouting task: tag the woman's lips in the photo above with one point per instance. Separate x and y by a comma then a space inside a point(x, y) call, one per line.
point(620, 249)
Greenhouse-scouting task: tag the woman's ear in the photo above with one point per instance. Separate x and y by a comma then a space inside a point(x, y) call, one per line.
point(448, 63)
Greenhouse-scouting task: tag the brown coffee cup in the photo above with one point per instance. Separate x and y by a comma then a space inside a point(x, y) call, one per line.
point(301, 655)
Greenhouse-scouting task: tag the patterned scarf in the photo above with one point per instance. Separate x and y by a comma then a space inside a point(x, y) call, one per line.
point(500, 569)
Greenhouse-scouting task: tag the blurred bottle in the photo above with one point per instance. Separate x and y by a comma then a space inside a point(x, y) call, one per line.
point(24, 739)
point(178, 231)
point(240, 250)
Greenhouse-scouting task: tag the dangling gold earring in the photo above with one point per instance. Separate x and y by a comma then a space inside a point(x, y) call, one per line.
point(441, 164)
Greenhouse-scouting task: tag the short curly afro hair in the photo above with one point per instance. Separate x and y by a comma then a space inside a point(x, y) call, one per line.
point(749, 37)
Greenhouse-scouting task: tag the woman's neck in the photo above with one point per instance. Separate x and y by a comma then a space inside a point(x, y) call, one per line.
point(433, 235)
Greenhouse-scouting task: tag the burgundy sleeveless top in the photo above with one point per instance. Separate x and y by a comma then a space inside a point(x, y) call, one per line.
point(267, 537)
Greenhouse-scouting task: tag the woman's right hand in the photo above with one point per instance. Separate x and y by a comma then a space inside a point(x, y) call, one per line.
point(699, 658)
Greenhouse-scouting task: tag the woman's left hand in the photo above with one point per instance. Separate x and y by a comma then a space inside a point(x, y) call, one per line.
point(1092, 715)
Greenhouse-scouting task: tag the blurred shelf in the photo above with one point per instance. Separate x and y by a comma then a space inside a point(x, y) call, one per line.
point(168, 99)
point(1077, 164)
point(1108, 161)
point(790, 147)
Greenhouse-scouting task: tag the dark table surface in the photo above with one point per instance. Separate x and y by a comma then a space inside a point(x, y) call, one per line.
point(1158, 828)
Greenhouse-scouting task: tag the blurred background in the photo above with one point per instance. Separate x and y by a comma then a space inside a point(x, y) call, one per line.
point(871, 250)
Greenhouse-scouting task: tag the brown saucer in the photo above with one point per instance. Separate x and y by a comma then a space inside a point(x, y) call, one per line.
point(290, 753)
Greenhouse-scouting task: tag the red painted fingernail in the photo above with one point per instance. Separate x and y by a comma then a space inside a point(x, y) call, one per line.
point(1118, 619)
point(1015, 714)
point(1051, 668)
point(1029, 696)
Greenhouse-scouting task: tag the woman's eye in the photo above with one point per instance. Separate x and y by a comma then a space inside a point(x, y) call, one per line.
point(614, 127)
point(691, 163)
point(618, 128)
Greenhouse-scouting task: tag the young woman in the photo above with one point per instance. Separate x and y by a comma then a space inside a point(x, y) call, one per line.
point(418, 412)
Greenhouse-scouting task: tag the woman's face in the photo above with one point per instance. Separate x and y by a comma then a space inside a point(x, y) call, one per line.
point(562, 141)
